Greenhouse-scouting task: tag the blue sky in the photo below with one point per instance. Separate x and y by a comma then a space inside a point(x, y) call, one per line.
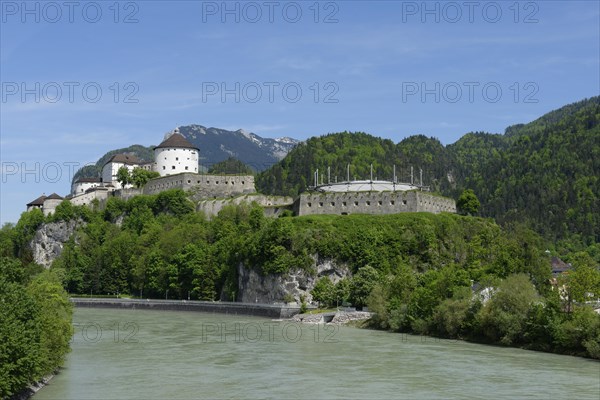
point(79, 80)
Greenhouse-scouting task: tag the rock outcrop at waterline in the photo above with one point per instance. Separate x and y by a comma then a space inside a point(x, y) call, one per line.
point(253, 287)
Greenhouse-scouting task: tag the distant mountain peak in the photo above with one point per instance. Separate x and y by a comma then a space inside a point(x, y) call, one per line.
point(218, 144)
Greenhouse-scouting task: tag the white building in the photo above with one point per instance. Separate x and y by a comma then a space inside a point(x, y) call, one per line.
point(82, 184)
point(110, 169)
point(175, 155)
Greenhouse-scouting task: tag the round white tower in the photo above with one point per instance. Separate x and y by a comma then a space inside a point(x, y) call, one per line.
point(175, 155)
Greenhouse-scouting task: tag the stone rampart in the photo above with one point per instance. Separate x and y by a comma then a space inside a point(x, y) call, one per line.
point(371, 203)
point(203, 186)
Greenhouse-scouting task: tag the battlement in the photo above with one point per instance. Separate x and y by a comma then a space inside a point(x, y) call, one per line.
point(203, 186)
point(371, 203)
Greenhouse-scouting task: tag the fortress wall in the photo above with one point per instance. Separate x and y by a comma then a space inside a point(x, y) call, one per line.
point(50, 206)
point(127, 194)
point(87, 198)
point(273, 205)
point(371, 203)
point(203, 186)
point(435, 204)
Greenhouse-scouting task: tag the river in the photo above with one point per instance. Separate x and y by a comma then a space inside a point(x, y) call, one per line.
point(145, 354)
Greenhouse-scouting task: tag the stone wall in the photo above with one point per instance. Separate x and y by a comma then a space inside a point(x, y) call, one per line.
point(127, 194)
point(371, 203)
point(203, 186)
point(87, 198)
point(273, 205)
point(221, 307)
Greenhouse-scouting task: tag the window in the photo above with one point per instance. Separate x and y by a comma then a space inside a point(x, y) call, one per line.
point(176, 158)
point(320, 204)
point(344, 204)
point(368, 203)
point(379, 202)
point(309, 204)
point(189, 181)
point(186, 168)
point(333, 204)
point(173, 167)
point(404, 202)
point(355, 203)
point(392, 202)
point(164, 167)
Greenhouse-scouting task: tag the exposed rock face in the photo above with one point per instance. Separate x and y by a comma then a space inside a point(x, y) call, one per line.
point(257, 288)
point(47, 244)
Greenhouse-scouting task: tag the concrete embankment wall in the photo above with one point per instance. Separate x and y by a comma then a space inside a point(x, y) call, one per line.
point(260, 310)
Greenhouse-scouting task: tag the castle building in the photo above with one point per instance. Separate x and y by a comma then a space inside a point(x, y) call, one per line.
point(81, 185)
point(175, 155)
point(111, 167)
point(176, 161)
point(45, 203)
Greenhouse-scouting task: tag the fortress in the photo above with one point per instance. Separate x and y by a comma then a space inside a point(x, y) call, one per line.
point(176, 161)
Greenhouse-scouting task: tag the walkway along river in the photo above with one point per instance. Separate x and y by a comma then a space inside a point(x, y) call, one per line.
point(150, 354)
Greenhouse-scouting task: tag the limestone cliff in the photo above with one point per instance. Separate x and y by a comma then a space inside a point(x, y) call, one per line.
point(256, 288)
point(49, 239)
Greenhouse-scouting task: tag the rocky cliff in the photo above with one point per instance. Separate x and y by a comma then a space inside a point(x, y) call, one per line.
point(256, 288)
point(49, 239)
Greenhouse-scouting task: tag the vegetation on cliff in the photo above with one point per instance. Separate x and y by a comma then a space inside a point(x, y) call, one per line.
point(35, 319)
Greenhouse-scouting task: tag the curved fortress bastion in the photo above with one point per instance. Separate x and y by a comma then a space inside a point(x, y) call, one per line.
point(344, 203)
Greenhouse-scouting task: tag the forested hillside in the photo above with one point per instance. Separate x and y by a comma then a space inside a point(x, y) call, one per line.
point(545, 173)
point(416, 270)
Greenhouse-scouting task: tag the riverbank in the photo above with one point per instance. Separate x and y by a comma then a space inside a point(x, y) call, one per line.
point(334, 317)
point(276, 311)
point(33, 388)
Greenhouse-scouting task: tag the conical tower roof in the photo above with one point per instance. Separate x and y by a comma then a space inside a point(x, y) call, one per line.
point(176, 140)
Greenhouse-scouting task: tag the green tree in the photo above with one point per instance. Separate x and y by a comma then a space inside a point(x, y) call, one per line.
point(123, 176)
point(362, 284)
point(140, 176)
point(583, 282)
point(468, 203)
point(503, 318)
point(324, 292)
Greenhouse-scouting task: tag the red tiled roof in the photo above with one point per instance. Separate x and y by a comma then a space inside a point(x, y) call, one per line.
point(176, 140)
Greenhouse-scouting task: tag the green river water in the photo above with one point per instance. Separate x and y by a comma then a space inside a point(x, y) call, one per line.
point(142, 354)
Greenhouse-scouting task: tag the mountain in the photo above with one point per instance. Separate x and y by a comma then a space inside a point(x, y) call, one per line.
point(216, 145)
point(219, 144)
point(545, 173)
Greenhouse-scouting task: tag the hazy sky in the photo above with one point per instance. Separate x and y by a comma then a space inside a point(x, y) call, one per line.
point(82, 78)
